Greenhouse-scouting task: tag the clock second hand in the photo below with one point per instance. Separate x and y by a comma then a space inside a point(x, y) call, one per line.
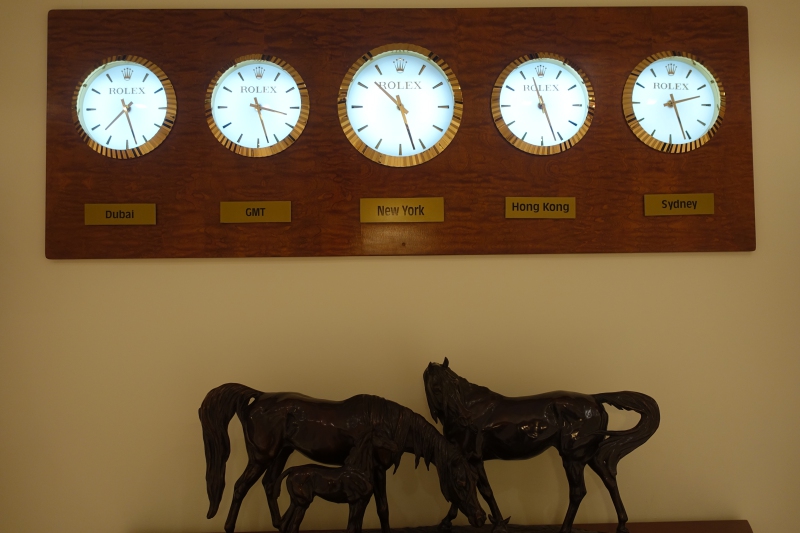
point(258, 110)
point(403, 112)
point(126, 109)
point(544, 109)
point(675, 107)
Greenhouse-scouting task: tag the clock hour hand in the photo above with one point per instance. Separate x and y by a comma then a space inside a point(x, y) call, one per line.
point(258, 110)
point(671, 103)
point(403, 112)
point(544, 109)
point(389, 95)
point(126, 109)
point(675, 107)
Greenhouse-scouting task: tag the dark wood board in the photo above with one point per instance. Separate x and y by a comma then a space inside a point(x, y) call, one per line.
point(711, 526)
point(608, 171)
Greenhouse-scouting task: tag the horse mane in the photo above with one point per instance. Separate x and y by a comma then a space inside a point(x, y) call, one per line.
point(451, 405)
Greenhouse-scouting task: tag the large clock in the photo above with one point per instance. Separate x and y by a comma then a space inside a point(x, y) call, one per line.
point(673, 102)
point(541, 104)
point(258, 106)
point(400, 105)
point(125, 107)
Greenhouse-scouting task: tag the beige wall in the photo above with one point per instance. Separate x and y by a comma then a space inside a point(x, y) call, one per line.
point(104, 363)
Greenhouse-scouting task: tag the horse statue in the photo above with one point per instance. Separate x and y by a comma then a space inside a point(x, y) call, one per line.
point(350, 484)
point(487, 425)
point(277, 424)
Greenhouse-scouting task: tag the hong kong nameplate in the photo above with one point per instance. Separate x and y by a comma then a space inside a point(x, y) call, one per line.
point(540, 207)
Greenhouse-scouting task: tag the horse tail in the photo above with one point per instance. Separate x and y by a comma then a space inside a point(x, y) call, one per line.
point(216, 412)
point(275, 491)
point(621, 443)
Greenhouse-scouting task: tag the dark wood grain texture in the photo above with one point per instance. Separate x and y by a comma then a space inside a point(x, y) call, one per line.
point(711, 526)
point(608, 172)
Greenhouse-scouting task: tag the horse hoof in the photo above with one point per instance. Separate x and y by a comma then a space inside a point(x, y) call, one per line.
point(501, 526)
point(445, 526)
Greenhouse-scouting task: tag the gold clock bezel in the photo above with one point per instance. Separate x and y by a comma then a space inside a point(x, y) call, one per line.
point(405, 160)
point(284, 143)
point(527, 147)
point(641, 133)
point(163, 131)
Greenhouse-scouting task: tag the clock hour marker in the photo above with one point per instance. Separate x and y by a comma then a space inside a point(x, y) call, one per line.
point(379, 144)
point(156, 125)
point(96, 127)
point(126, 144)
point(364, 86)
point(91, 109)
point(437, 85)
point(378, 69)
point(240, 137)
point(701, 122)
point(687, 134)
point(572, 123)
point(109, 139)
point(510, 123)
point(420, 70)
point(526, 134)
point(572, 87)
point(276, 137)
point(640, 85)
point(363, 127)
point(158, 91)
point(144, 139)
point(559, 135)
point(145, 77)
point(222, 107)
point(95, 90)
point(258, 142)
point(240, 76)
point(109, 79)
point(653, 134)
point(400, 150)
point(444, 107)
point(706, 105)
point(226, 125)
point(670, 138)
point(288, 124)
point(295, 107)
point(437, 127)
point(290, 89)
point(636, 102)
point(690, 72)
point(162, 107)
point(701, 86)
point(505, 105)
point(640, 119)
point(509, 88)
point(227, 89)
point(523, 75)
point(654, 73)
point(542, 140)
point(581, 105)
point(422, 144)
point(277, 76)
point(356, 106)
point(559, 74)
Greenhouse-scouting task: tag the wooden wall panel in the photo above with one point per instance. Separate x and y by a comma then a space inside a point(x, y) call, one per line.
point(609, 171)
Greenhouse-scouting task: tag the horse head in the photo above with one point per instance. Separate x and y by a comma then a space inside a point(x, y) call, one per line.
point(443, 389)
point(459, 485)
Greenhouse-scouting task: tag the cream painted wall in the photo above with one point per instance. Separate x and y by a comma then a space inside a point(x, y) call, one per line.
point(104, 363)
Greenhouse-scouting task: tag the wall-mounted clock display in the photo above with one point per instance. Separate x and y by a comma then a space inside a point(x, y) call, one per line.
point(673, 102)
point(400, 105)
point(541, 104)
point(258, 106)
point(125, 107)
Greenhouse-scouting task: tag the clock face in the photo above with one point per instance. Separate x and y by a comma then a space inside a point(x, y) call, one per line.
point(258, 106)
point(673, 103)
point(541, 104)
point(125, 108)
point(400, 105)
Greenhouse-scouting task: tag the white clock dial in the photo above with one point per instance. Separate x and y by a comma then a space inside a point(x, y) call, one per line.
point(673, 102)
point(400, 105)
point(124, 108)
point(541, 104)
point(258, 106)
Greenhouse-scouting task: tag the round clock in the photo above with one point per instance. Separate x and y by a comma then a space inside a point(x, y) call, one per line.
point(125, 107)
point(673, 102)
point(541, 104)
point(400, 105)
point(258, 106)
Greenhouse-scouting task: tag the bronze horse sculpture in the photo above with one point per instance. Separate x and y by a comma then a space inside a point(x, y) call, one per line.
point(277, 424)
point(487, 425)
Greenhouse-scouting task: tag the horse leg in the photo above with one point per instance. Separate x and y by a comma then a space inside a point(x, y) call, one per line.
point(293, 525)
point(381, 503)
point(610, 481)
point(447, 522)
point(577, 490)
point(272, 474)
point(496, 518)
point(356, 516)
point(249, 476)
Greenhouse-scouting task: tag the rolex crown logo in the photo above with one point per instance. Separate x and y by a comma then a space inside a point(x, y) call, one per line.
point(127, 73)
point(400, 64)
point(672, 68)
point(540, 70)
point(259, 72)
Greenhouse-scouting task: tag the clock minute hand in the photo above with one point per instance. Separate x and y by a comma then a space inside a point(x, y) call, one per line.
point(115, 118)
point(258, 110)
point(126, 109)
point(403, 112)
point(544, 109)
point(675, 107)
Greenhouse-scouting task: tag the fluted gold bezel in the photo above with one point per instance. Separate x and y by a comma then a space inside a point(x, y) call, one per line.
point(284, 143)
point(527, 147)
point(163, 130)
point(641, 133)
point(394, 160)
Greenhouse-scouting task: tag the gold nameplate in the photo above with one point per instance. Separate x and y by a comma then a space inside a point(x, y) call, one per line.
point(238, 212)
point(657, 205)
point(402, 209)
point(540, 207)
point(119, 214)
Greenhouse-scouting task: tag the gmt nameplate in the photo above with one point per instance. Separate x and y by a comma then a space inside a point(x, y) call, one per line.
point(244, 212)
point(402, 210)
point(540, 207)
point(658, 205)
point(119, 214)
